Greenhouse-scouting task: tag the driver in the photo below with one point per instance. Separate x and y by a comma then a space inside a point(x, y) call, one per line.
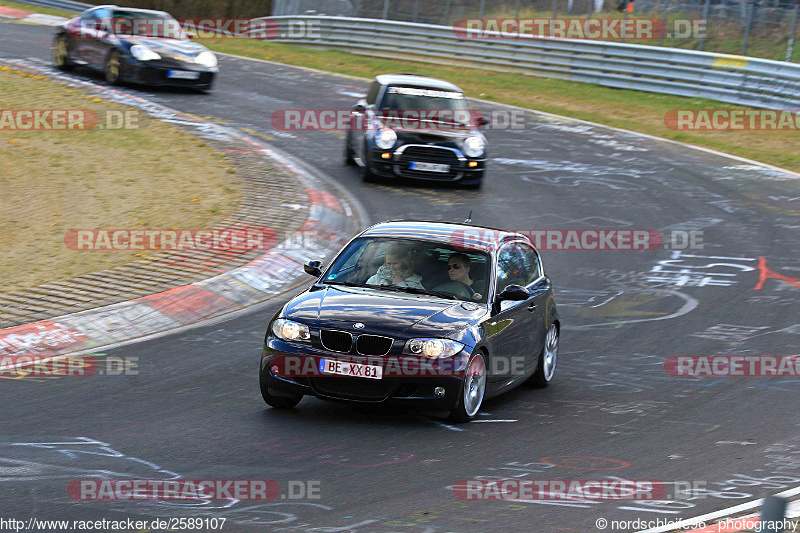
point(396, 269)
point(458, 266)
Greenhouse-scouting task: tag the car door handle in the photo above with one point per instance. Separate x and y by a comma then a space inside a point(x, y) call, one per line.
point(532, 307)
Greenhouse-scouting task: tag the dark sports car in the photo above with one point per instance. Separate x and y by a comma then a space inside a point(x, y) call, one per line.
point(428, 313)
point(134, 45)
point(416, 127)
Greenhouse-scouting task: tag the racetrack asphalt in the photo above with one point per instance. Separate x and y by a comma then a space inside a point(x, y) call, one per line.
point(192, 408)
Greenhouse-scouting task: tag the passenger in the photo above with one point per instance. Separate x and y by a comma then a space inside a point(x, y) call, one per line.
point(397, 269)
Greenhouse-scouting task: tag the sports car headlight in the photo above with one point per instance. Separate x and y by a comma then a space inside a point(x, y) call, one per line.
point(290, 331)
point(206, 59)
point(432, 348)
point(142, 53)
point(385, 138)
point(474, 146)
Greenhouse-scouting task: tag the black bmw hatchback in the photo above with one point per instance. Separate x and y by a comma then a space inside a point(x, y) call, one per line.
point(417, 313)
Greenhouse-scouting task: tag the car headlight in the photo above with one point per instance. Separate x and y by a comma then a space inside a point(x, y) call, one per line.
point(290, 331)
point(206, 59)
point(142, 53)
point(385, 138)
point(432, 348)
point(474, 146)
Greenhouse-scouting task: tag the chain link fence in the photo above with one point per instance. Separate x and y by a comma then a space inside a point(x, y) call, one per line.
point(759, 28)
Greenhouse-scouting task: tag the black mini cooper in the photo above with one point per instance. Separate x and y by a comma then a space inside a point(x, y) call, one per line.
point(416, 127)
point(424, 313)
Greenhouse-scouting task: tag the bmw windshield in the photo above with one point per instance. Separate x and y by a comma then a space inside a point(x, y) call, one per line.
point(413, 266)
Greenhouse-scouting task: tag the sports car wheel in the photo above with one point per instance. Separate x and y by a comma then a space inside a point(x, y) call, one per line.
point(61, 53)
point(547, 359)
point(473, 389)
point(113, 67)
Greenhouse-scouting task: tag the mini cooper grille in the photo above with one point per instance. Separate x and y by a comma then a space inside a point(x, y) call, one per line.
point(429, 154)
point(353, 388)
point(373, 345)
point(336, 341)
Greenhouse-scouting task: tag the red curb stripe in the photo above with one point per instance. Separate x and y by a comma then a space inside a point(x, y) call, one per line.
point(14, 13)
point(189, 303)
point(46, 337)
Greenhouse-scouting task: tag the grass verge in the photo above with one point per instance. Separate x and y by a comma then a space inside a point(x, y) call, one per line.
point(153, 177)
point(37, 9)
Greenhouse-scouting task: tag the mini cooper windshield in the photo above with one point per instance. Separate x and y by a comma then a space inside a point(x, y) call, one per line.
point(399, 98)
point(413, 266)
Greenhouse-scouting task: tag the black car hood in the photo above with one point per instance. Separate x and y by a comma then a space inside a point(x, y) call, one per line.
point(382, 312)
point(168, 47)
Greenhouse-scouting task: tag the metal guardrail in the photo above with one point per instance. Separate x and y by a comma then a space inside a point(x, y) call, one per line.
point(738, 80)
point(66, 5)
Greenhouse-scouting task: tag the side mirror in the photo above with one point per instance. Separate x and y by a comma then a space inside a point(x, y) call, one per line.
point(190, 35)
point(312, 268)
point(516, 293)
point(483, 121)
point(359, 108)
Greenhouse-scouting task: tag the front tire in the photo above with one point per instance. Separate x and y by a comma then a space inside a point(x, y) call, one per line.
point(278, 400)
point(547, 359)
point(113, 68)
point(472, 390)
point(61, 53)
point(348, 152)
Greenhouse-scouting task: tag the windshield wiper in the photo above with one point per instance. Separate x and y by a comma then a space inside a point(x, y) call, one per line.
point(414, 290)
point(346, 283)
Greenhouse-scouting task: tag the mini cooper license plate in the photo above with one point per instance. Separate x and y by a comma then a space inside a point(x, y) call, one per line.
point(183, 74)
point(345, 368)
point(428, 167)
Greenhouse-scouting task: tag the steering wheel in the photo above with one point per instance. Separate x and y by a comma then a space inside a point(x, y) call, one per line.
point(457, 288)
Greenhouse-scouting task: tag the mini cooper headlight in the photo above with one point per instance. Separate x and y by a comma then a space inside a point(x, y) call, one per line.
point(142, 53)
point(290, 331)
point(385, 138)
point(474, 146)
point(206, 59)
point(432, 348)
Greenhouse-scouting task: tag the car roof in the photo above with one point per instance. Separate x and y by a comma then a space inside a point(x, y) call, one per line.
point(465, 236)
point(416, 81)
point(132, 9)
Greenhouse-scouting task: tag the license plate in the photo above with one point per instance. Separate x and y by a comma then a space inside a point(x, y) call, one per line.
point(183, 74)
point(428, 167)
point(345, 368)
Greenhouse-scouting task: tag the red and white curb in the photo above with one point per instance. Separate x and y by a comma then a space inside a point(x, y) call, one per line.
point(28, 16)
point(331, 222)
